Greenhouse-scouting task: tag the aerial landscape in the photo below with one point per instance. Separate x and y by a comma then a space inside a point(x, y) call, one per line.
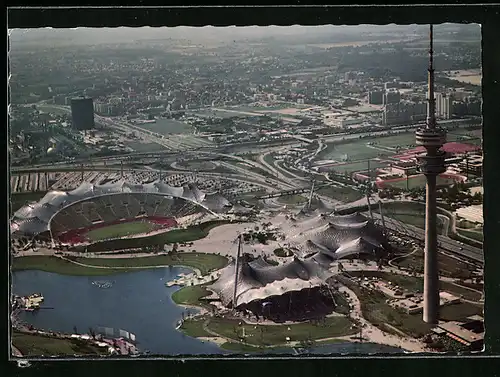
point(246, 190)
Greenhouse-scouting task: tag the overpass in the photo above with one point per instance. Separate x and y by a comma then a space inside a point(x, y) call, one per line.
point(302, 190)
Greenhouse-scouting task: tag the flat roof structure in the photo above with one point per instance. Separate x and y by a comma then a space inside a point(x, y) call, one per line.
point(472, 213)
point(455, 331)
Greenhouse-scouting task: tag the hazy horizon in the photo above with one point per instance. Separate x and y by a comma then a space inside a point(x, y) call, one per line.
point(214, 33)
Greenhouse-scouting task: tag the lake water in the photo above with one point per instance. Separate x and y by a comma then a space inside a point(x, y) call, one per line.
point(138, 302)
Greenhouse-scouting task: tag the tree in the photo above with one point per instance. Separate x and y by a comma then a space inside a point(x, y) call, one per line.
point(75, 330)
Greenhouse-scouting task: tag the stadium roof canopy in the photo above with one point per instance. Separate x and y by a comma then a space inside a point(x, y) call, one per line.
point(258, 280)
point(34, 218)
point(336, 236)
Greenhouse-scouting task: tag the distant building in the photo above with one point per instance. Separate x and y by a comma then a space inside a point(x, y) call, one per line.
point(82, 113)
point(444, 105)
point(403, 113)
point(376, 97)
point(392, 96)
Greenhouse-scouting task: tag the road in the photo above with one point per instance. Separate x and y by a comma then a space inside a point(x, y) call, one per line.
point(446, 244)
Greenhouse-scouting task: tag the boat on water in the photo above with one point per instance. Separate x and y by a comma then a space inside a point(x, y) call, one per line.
point(102, 284)
point(32, 302)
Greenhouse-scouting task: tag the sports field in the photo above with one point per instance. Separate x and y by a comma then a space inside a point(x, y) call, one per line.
point(418, 181)
point(356, 166)
point(359, 149)
point(120, 230)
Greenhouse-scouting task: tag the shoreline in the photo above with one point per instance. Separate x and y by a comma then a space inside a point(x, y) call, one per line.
point(50, 264)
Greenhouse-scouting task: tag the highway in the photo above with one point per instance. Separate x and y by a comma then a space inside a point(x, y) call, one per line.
point(446, 244)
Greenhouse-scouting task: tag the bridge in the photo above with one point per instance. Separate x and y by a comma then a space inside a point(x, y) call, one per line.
point(303, 190)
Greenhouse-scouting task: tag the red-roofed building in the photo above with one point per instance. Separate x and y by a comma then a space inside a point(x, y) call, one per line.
point(452, 148)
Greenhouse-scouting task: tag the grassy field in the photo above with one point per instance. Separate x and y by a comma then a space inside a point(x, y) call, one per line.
point(478, 236)
point(204, 262)
point(120, 230)
point(418, 181)
point(460, 312)
point(189, 234)
point(358, 149)
point(194, 327)
point(267, 335)
point(343, 194)
point(414, 219)
point(39, 345)
point(349, 168)
point(190, 295)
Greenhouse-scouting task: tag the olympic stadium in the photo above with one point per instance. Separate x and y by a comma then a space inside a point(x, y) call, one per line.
point(92, 213)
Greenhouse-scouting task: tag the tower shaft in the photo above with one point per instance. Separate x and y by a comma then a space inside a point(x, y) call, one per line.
point(431, 164)
point(431, 272)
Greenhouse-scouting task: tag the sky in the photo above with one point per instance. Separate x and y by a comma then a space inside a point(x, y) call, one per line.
point(211, 33)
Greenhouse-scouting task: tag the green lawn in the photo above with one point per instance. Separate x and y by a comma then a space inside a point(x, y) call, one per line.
point(120, 230)
point(265, 335)
point(194, 327)
point(292, 199)
point(356, 149)
point(357, 166)
point(343, 194)
point(460, 312)
point(189, 234)
point(204, 262)
point(190, 295)
point(478, 236)
point(413, 219)
point(39, 345)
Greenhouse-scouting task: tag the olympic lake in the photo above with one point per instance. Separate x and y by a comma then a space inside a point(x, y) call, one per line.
point(138, 302)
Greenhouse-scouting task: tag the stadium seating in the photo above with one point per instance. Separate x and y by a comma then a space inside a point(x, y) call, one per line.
point(72, 223)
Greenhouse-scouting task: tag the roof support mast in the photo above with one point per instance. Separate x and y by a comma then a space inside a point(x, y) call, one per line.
point(236, 271)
